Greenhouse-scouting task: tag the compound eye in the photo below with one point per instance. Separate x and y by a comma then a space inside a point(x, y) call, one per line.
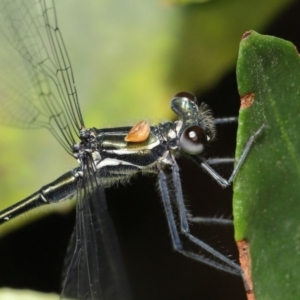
point(193, 140)
point(187, 95)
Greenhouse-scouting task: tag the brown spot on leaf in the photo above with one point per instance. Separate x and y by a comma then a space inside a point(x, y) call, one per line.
point(138, 133)
point(247, 100)
point(245, 261)
point(246, 34)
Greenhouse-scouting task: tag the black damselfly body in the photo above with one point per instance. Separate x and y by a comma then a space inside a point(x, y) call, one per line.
point(106, 156)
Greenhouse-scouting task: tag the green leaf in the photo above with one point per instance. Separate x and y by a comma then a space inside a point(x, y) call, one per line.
point(266, 190)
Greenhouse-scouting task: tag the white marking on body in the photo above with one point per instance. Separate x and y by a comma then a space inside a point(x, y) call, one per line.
point(131, 151)
point(113, 162)
point(44, 198)
point(171, 134)
point(178, 126)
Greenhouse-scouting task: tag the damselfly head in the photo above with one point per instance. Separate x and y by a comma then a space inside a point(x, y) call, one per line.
point(197, 123)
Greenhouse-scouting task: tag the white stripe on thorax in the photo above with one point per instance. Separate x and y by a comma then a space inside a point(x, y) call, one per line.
point(132, 151)
point(113, 162)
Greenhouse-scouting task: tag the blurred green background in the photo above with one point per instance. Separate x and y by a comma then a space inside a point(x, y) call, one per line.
point(129, 59)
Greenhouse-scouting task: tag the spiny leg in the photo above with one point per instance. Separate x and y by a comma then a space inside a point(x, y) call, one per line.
point(212, 221)
point(227, 120)
point(186, 231)
point(224, 263)
point(222, 181)
point(219, 161)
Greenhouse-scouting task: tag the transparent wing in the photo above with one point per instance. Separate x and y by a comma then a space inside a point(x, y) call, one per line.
point(37, 86)
point(93, 265)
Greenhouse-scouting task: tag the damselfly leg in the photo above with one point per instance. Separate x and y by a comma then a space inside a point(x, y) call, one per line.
point(219, 261)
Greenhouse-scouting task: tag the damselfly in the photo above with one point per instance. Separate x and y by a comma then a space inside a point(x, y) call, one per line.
point(106, 156)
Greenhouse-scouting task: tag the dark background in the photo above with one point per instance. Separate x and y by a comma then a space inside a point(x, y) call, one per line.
point(154, 270)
